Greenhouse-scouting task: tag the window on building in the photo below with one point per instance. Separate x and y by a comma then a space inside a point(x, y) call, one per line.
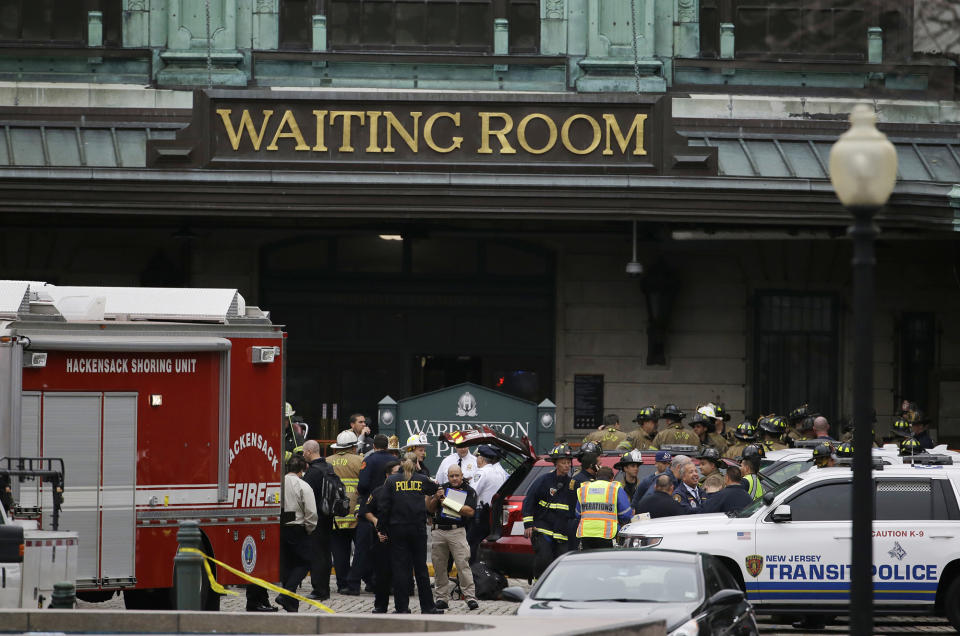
point(917, 338)
point(411, 25)
point(807, 29)
point(58, 22)
point(830, 502)
point(796, 353)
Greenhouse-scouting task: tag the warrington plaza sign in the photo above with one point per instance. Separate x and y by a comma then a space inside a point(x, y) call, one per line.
point(334, 130)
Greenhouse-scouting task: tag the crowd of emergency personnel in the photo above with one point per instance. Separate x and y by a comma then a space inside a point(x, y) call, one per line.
point(365, 508)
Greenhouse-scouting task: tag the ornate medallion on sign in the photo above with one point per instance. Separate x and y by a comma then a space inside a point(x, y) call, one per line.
point(467, 405)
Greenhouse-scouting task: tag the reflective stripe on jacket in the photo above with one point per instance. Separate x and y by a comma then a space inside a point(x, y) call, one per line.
point(753, 485)
point(598, 509)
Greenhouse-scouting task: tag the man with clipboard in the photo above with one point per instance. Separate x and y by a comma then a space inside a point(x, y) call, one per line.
point(456, 503)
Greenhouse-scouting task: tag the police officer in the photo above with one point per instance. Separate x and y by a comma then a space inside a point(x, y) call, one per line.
point(660, 502)
point(403, 512)
point(642, 437)
point(745, 434)
point(548, 510)
point(823, 456)
point(750, 467)
point(676, 432)
point(710, 463)
point(457, 504)
point(346, 464)
point(662, 464)
point(490, 476)
point(629, 467)
point(688, 492)
point(371, 468)
point(703, 429)
point(602, 507)
point(794, 419)
point(380, 550)
point(772, 428)
point(733, 496)
point(460, 457)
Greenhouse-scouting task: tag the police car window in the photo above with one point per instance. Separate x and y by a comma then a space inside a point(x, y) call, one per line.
point(944, 501)
point(904, 499)
point(829, 502)
point(780, 473)
point(758, 503)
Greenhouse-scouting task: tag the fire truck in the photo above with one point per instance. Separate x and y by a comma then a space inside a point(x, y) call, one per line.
point(165, 405)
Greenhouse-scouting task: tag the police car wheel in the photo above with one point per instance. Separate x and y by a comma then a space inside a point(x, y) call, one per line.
point(952, 603)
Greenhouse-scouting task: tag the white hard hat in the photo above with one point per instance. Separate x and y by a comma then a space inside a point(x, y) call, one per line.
point(288, 411)
point(417, 439)
point(709, 410)
point(346, 439)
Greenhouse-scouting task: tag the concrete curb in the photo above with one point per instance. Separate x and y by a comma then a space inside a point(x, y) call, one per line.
point(127, 622)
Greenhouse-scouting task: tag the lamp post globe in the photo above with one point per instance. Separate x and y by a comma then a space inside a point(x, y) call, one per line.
point(863, 170)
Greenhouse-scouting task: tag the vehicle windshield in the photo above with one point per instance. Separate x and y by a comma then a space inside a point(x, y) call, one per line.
point(758, 503)
point(577, 580)
point(532, 476)
point(779, 472)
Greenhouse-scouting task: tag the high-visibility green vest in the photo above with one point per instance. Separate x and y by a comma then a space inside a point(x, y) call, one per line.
point(598, 509)
point(754, 487)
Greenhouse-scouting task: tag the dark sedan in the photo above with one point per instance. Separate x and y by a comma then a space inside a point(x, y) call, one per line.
point(692, 592)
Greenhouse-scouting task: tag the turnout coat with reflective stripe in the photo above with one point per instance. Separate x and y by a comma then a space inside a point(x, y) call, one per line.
point(550, 506)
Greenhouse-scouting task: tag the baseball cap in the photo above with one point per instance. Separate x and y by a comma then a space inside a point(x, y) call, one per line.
point(663, 456)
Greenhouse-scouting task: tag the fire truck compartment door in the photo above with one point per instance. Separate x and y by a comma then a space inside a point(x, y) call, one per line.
point(117, 491)
point(71, 430)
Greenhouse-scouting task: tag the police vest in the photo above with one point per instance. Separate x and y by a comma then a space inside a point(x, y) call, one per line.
point(598, 509)
point(754, 487)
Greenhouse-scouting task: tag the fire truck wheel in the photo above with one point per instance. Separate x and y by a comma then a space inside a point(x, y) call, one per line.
point(155, 599)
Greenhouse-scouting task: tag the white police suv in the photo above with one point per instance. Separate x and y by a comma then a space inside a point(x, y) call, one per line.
point(791, 549)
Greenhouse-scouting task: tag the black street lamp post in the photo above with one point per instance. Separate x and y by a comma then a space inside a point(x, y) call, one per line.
point(863, 170)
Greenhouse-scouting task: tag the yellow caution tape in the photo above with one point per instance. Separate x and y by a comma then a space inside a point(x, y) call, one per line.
point(216, 587)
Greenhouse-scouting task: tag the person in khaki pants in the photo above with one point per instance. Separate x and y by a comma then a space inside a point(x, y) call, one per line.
point(453, 506)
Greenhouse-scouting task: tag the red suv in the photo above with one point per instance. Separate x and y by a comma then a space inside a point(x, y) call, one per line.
point(506, 549)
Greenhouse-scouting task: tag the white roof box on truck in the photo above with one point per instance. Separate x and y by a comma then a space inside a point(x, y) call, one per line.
point(21, 300)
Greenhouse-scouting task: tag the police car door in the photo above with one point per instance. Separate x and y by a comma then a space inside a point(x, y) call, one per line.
point(914, 536)
point(803, 557)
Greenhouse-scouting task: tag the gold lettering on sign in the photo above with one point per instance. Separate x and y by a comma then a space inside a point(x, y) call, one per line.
point(501, 134)
point(246, 123)
point(565, 134)
point(393, 124)
point(348, 116)
point(374, 126)
point(522, 133)
point(291, 121)
point(636, 130)
point(321, 116)
point(428, 132)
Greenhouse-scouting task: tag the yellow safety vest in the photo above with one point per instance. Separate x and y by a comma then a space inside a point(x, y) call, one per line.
point(598, 509)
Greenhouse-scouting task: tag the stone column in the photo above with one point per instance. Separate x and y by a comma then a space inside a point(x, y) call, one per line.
point(553, 27)
point(687, 42)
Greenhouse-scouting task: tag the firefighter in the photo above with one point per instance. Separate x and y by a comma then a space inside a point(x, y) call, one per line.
point(901, 428)
point(417, 444)
point(713, 427)
point(745, 434)
point(608, 435)
point(750, 468)
point(910, 447)
point(919, 426)
point(703, 428)
point(602, 507)
point(720, 425)
point(804, 429)
point(642, 437)
point(292, 432)
point(676, 432)
point(346, 464)
point(824, 456)
point(710, 464)
point(380, 552)
point(845, 450)
point(548, 510)
point(403, 511)
point(772, 428)
point(795, 418)
point(629, 467)
point(588, 455)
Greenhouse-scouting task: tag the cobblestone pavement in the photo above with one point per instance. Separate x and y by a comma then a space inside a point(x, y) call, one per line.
point(364, 604)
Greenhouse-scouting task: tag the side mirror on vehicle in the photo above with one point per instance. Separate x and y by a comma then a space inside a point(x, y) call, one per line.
point(727, 597)
point(768, 498)
point(513, 593)
point(782, 513)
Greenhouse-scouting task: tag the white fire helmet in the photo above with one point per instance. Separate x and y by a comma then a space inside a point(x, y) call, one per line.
point(417, 439)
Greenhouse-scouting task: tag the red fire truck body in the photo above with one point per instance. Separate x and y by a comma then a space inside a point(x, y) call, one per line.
point(166, 405)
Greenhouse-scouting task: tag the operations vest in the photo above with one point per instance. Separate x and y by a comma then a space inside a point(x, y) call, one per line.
point(347, 468)
point(753, 486)
point(598, 509)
